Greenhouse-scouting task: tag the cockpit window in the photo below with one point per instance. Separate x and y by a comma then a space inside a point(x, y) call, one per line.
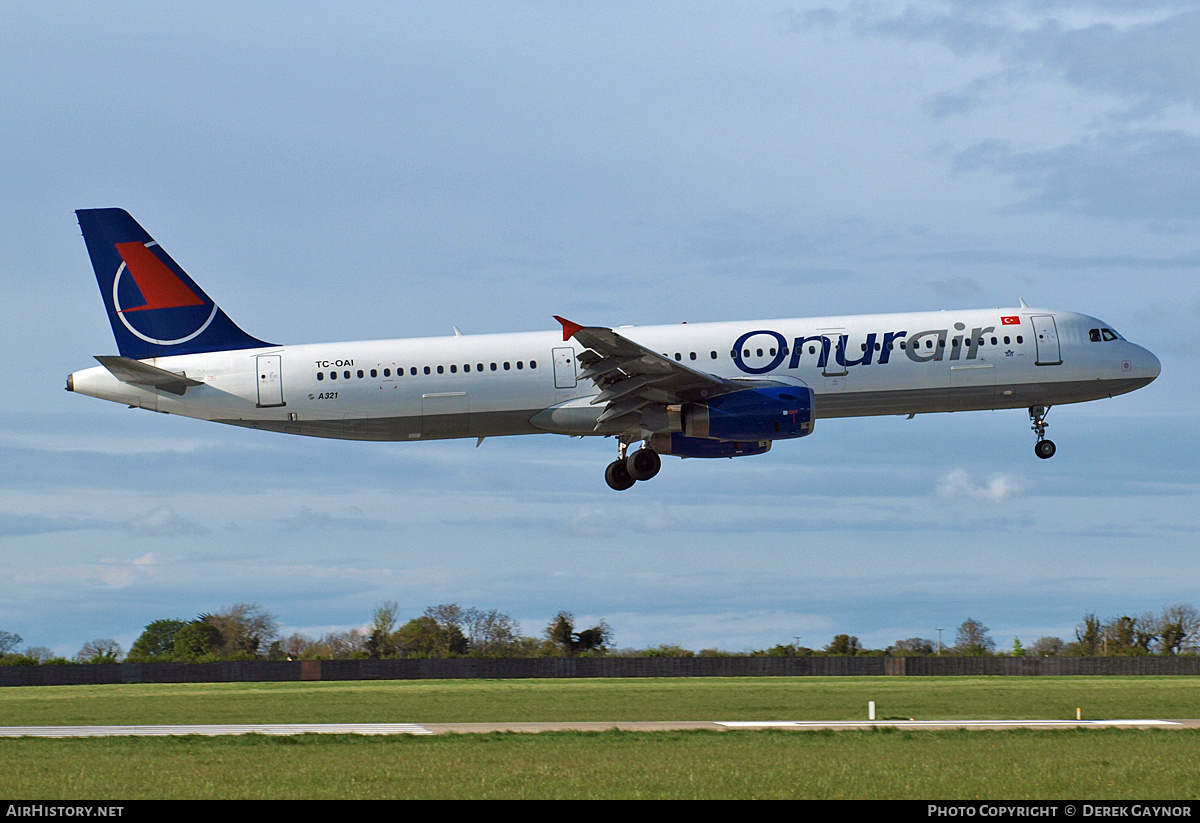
point(1098, 335)
point(1094, 335)
point(1109, 334)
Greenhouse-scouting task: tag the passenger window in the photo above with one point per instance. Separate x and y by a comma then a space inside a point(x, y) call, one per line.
point(692, 356)
point(520, 365)
point(506, 366)
point(427, 370)
point(1020, 339)
point(441, 370)
point(333, 375)
point(374, 373)
point(360, 374)
point(533, 364)
point(712, 355)
point(320, 375)
point(453, 370)
point(346, 375)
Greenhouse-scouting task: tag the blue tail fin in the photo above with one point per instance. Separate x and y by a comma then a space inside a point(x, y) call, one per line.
point(155, 309)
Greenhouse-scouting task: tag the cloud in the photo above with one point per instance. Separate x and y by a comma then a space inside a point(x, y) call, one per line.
point(1120, 175)
point(958, 485)
point(1143, 52)
point(163, 521)
point(307, 519)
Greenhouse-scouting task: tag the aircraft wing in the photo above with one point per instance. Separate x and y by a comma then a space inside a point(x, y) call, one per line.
point(637, 384)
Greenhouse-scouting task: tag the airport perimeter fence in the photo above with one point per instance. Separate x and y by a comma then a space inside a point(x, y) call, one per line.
point(248, 671)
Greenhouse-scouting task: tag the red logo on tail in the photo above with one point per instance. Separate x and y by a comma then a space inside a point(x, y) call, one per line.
point(158, 284)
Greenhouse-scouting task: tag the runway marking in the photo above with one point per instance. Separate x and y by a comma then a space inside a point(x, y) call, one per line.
point(957, 724)
point(213, 730)
point(533, 727)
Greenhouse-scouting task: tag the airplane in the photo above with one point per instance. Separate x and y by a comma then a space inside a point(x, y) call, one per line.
point(705, 390)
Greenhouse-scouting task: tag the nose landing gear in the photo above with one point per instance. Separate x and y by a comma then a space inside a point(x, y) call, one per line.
point(1043, 448)
point(627, 469)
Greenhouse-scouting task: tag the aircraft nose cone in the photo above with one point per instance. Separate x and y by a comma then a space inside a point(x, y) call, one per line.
point(1145, 365)
point(1153, 367)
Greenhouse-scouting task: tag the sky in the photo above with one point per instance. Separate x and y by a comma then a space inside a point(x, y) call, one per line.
point(395, 169)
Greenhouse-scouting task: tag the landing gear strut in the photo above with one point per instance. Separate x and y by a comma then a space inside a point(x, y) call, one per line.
point(1037, 416)
point(627, 469)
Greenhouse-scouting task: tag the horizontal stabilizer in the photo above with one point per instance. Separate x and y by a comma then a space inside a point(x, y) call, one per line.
point(128, 370)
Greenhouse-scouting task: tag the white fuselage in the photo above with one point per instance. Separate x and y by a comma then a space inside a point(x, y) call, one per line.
point(525, 383)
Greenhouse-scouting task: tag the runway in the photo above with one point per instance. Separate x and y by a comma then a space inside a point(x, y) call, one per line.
point(212, 730)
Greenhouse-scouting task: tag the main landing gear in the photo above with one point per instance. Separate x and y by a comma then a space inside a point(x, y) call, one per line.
point(627, 469)
point(1043, 448)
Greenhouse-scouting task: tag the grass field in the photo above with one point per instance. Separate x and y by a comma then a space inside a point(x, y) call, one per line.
point(1084, 764)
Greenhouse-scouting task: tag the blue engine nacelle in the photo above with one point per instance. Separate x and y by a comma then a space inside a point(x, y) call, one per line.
point(681, 445)
point(775, 413)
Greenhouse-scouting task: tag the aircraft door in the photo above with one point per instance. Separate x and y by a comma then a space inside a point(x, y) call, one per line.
point(835, 366)
point(270, 380)
point(564, 368)
point(1046, 338)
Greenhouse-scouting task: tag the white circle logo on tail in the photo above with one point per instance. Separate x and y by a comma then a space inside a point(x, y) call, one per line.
point(161, 290)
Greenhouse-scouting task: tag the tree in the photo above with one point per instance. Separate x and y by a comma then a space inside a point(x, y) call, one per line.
point(9, 642)
point(1046, 647)
point(1088, 636)
point(1145, 632)
point(1178, 625)
point(778, 650)
point(491, 633)
point(912, 647)
point(667, 650)
point(344, 645)
point(381, 641)
point(246, 630)
point(562, 638)
point(99, 651)
point(425, 637)
point(1120, 636)
point(844, 644)
point(196, 641)
point(449, 638)
point(972, 639)
point(156, 642)
point(41, 654)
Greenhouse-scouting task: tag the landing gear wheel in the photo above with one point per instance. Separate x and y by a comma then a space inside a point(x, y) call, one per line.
point(1043, 448)
point(643, 464)
point(618, 477)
